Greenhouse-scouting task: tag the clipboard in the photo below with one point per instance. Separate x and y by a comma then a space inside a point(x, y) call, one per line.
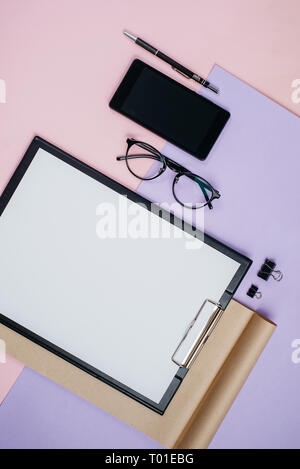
point(28, 184)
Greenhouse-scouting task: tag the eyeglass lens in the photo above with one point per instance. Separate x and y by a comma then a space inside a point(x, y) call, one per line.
point(192, 191)
point(146, 164)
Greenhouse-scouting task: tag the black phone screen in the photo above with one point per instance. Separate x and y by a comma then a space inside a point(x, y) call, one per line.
point(169, 109)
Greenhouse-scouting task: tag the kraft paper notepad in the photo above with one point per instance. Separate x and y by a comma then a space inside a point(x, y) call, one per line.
point(67, 322)
point(209, 389)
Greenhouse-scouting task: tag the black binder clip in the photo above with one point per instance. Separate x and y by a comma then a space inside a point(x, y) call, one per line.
point(267, 270)
point(254, 292)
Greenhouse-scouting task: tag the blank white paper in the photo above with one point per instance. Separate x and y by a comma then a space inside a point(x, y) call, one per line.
point(121, 305)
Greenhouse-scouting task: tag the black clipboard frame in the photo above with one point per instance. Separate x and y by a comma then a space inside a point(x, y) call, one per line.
point(7, 194)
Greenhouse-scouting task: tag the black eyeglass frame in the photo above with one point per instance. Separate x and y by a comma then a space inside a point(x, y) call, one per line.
point(174, 166)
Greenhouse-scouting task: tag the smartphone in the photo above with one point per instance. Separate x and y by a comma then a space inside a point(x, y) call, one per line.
point(169, 109)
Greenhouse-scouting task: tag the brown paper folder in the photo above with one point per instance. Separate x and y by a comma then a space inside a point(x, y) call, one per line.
point(204, 397)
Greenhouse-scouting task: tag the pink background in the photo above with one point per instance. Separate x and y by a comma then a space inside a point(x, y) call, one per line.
point(9, 372)
point(62, 60)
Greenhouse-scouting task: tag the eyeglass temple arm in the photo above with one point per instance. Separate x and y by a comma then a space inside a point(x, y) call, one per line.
point(132, 157)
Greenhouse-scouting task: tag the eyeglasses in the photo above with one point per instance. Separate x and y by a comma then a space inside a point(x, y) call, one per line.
point(189, 189)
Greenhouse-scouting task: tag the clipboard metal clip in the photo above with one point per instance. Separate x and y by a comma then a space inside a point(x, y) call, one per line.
point(197, 333)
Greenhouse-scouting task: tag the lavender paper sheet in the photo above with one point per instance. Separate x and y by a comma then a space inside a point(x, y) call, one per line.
point(255, 164)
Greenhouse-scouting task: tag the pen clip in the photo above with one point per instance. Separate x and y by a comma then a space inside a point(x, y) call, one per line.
point(181, 73)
